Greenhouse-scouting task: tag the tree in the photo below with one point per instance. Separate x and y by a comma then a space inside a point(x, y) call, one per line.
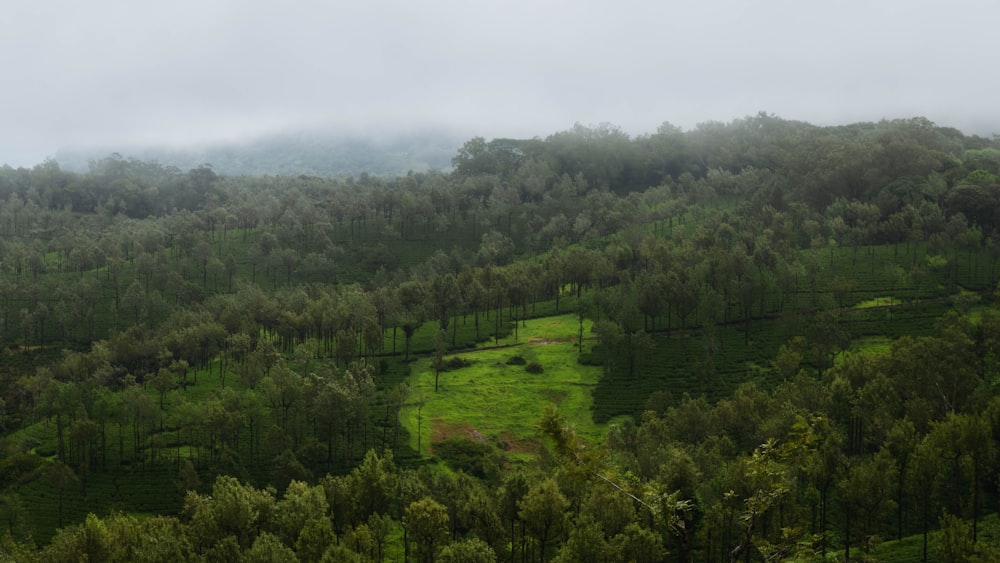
point(543, 510)
point(62, 476)
point(444, 297)
point(14, 510)
point(426, 522)
point(822, 468)
point(496, 249)
point(637, 544)
point(652, 298)
point(769, 480)
point(187, 477)
point(472, 550)
point(964, 442)
point(232, 510)
point(412, 297)
point(156, 539)
point(267, 548)
point(300, 505)
point(828, 337)
point(921, 480)
point(89, 541)
point(955, 544)
point(901, 441)
point(609, 334)
point(163, 382)
point(585, 543)
point(867, 488)
point(512, 490)
point(375, 481)
point(289, 258)
point(645, 346)
point(683, 292)
point(83, 434)
point(440, 347)
point(286, 469)
point(231, 267)
point(314, 539)
point(284, 389)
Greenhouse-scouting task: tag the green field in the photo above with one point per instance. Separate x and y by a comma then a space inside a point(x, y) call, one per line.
point(491, 400)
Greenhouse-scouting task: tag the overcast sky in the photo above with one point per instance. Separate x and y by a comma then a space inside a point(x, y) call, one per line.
point(115, 73)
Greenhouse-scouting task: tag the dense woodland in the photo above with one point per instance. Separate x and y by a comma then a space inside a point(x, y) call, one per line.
point(797, 328)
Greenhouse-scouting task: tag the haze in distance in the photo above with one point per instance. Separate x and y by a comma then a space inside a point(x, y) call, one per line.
point(110, 75)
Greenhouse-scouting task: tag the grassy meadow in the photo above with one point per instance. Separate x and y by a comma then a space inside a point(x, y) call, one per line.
point(495, 400)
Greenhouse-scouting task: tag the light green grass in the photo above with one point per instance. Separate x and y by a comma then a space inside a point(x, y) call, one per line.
point(878, 302)
point(910, 548)
point(871, 345)
point(503, 403)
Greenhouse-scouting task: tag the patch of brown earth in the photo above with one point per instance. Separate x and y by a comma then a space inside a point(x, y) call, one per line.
point(511, 443)
point(542, 341)
point(441, 430)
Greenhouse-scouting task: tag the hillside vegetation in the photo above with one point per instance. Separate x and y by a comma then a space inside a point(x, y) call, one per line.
point(755, 340)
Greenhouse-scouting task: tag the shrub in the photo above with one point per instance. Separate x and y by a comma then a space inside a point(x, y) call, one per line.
point(594, 357)
point(453, 363)
point(534, 367)
point(516, 361)
point(470, 456)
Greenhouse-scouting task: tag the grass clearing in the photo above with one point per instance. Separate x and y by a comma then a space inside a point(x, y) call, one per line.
point(491, 400)
point(910, 548)
point(869, 345)
point(878, 302)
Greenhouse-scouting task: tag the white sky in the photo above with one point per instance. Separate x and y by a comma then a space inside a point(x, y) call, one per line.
point(179, 72)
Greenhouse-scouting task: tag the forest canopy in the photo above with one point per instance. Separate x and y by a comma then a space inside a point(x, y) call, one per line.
point(753, 340)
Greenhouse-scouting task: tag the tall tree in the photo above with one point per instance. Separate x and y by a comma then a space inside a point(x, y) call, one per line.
point(426, 522)
point(543, 510)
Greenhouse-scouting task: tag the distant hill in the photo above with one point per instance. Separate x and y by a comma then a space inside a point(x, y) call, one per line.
point(291, 154)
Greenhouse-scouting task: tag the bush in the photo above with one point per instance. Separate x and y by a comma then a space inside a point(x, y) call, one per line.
point(516, 361)
point(594, 357)
point(534, 367)
point(17, 465)
point(470, 456)
point(453, 363)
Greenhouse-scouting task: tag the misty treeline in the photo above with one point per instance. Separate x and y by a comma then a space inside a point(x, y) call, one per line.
point(298, 302)
point(315, 153)
point(890, 163)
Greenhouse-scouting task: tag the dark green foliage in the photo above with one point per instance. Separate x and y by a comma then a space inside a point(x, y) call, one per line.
point(471, 456)
point(453, 363)
point(516, 361)
point(229, 326)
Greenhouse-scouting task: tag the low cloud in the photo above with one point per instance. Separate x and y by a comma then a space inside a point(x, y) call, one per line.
point(110, 72)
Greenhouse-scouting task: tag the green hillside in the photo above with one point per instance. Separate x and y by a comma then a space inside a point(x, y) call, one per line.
point(739, 342)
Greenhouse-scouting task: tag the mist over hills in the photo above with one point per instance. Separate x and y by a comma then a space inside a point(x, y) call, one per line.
point(318, 153)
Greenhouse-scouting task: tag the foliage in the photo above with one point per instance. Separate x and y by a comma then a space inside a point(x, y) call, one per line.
point(704, 304)
point(426, 520)
point(516, 361)
point(471, 456)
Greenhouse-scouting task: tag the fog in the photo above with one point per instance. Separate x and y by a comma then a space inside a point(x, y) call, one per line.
point(120, 74)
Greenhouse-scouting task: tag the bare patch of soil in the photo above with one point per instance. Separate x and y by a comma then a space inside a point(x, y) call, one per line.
point(553, 395)
point(542, 341)
point(511, 443)
point(441, 431)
